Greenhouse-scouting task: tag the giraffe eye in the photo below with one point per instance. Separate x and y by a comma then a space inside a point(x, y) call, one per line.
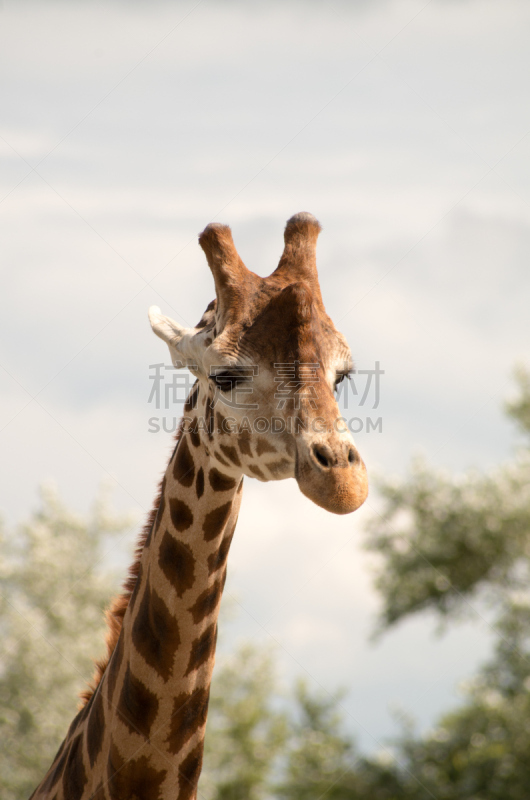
point(227, 380)
point(340, 377)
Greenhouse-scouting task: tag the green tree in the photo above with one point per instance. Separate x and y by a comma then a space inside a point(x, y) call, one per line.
point(246, 728)
point(263, 743)
point(52, 596)
point(443, 542)
point(320, 756)
point(480, 750)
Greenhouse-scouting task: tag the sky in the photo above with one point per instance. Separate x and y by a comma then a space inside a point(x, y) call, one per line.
point(404, 126)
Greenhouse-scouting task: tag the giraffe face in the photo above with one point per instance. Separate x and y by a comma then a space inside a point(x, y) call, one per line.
point(268, 358)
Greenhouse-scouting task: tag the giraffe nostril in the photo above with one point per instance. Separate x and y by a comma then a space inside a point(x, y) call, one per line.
point(320, 455)
point(352, 456)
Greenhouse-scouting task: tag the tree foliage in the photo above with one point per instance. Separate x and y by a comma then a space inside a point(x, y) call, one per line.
point(52, 597)
point(246, 729)
point(444, 540)
point(480, 750)
point(320, 755)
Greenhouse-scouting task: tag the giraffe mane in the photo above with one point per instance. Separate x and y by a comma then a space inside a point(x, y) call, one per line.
point(115, 613)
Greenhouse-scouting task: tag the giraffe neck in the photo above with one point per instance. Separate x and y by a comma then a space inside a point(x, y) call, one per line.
point(142, 732)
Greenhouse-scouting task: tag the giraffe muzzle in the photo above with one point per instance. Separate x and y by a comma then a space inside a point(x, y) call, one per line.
point(332, 475)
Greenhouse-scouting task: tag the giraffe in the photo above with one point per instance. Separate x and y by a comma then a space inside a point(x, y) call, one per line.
point(140, 732)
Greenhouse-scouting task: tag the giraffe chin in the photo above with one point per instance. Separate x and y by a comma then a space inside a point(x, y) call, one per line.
point(340, 490)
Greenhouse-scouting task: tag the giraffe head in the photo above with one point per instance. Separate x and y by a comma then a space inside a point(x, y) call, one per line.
point(267, 359)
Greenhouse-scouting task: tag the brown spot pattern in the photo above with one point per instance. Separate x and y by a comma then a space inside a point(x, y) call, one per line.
point(194, 434)
point(244, 443)
point(215, 521)
point(79, 717)
point(189, 773)
point(134, 779)
point(220, 482)
point(199, 485)
point(181, 514)
point(278, 467)
point(137, 588)
point(189, 714)
point(184, 466)
point(95, 727)
point(218, 559)
point(202, 648)
point(231, 454)
point(114, 668)
point(263, 446)
point(207, 601)
point(137, 706)
point(155, 633)
point(74, 775)
point(220, 458)
point(256, 471)
point(177, 563)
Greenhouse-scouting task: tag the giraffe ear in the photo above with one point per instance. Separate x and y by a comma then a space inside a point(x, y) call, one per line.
point(298, 261)
point(230, 274)
point(172, 334)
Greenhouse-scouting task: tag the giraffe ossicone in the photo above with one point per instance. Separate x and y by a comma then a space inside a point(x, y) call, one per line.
point(267, 359)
